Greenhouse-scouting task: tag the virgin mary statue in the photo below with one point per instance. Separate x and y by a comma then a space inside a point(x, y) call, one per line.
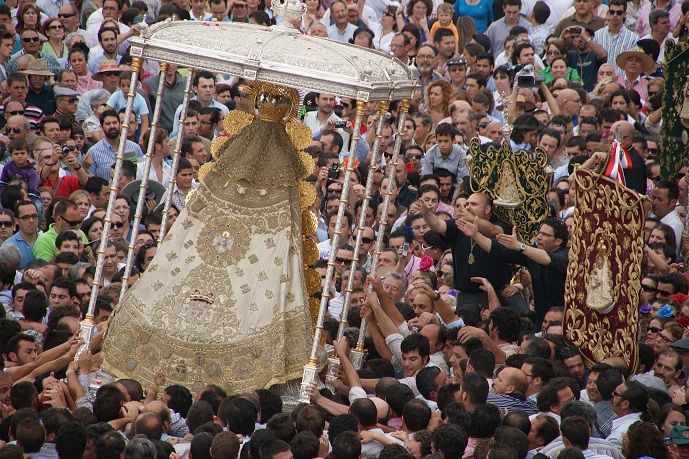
point(224, 301)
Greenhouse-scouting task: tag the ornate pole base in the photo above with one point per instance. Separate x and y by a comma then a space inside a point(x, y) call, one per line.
point(330, 376)
point(85, 333)
point(310, 371)
point(357, 358)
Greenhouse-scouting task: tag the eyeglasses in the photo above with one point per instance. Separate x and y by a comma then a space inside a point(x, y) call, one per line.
point(424, 57)
point(367, 240)
point(72, 223)
point(31, 39)
point(654, 329)
point(334, 190)
point(118, 224)
point(66, 15)
point(665, 339)
point(541, 233)
point(109, 74)
point(28, 217)
point(444, 273)
point(617, 394)
point(56, 27)
point(616, 12)
point(72, 100)
point(15, 112)
point(419, 156)
point(7, 224)
point(342, 261)
point(552, 53)
point(16, 130)
point(648, 288)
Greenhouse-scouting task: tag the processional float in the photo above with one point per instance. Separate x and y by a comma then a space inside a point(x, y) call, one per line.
point(226, 245)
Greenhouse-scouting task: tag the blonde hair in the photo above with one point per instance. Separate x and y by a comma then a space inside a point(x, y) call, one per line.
point(466, 29)
point(79, 194)
point(445, 8)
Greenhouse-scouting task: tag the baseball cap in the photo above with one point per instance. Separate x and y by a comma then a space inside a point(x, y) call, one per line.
point(679, 435)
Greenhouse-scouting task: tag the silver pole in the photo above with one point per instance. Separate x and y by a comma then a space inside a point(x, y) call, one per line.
point(87, 324)
point(357, 355)
point(176, 156)
point(144, 180)
point(310, 368)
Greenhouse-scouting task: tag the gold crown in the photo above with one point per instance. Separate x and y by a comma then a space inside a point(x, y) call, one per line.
point(274, 103)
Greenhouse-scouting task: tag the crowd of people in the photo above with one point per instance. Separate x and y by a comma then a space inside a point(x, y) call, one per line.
point(465, 355)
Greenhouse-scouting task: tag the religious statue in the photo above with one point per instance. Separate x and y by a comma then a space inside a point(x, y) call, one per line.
point(225, 300)
point(599, 291)
point(508, 191)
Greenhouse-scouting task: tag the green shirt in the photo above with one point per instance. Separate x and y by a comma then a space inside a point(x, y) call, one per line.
point(44, 248)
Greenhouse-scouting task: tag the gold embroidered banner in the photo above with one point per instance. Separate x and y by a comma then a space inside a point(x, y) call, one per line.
point(674, 132)
point(529, 185)
point(604, 271)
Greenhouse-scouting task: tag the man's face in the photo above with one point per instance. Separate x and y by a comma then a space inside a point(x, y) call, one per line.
point(398, 48)
point(27, 219)
point(387, 259)
point(110, 264)
point(116, 228)
point(102, 317)
point(108, 42)
point(393, 287)
point(546, 238)
point(425, 59)
point(18, 300)
point(412, 362)
point(592, 389)
point(511, 14)
point(69, 80)
point(501, 385)
point(71, 219)
point(634, 65)
point(575, 366)
point(69, 247)
point(111, 127)
point(111, 10)
point(446, 46)
point(52, 131)
point(422, 303)
point(27, 353)
point(343, 259)
point(5, 386)
point(582, 7)
point(471, 86)
point(6, 48)
point(85, 291)
point(661, 203)
point(100, 200)
point(205, 126)
point(356, 283)
point(526, 56)
point(616, 15)
point(549, 144)
point(68, 18)
point(205, 90)
point(665, 290)
point(445, 187)
point(328, 144)
point(325, 102)
point(665, 369)
point(483, 65)
point(218, 11)
point(198, 151)
point(30, 41)
point(67, 105)
point(477, 206)
point(59, 297)
point(338, 12)
point(18, 90)
point(386, 138)
point(564, 396)
point(661, 28)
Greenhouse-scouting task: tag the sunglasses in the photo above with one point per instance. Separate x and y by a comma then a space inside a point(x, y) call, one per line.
point(343, 261)
point(72, 100)
point(31, 39)
point(56, 27)
point(654, 329)
point(367, 240)
point(653, 151)
point(444, 273)
point(648, 288)
point(617, 394)
point(9, 224)
point(387, 155)
point(118, 225)
point(72, 223)
point(614, 12)
point(66, 15)
point(419, 156)
point(16, 112)
point(26, 218)
point(553, 53)
point(663, 292)
point(16, 130)
point(334, 190)
point(656, 178)
point(109, 74)
point(483, 125)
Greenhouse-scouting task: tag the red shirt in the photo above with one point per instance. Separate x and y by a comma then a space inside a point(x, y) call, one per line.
point(64, 187)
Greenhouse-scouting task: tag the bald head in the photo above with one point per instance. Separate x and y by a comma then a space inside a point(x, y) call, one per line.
point(627, 132)
point(493, 131)
point(160, 408)
point(459, 107)
point(516, 378)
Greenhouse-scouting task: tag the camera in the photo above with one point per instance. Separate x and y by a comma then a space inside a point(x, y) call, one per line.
point(526, 78)
point(575, 30)
point(333, 172)
point(339, 124)
point(66, 149)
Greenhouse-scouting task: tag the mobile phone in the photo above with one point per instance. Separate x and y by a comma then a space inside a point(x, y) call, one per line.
point(405, 249)
point(339, 124)
point(333, 172)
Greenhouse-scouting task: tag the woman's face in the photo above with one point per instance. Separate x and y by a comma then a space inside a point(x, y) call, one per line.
point(435, 96)
point(95, 232)
point(312, 6)
point(673, 419)
point(30, 18)
point(419, 10)
point(445, 275)
point(652, 332)
point(558, 69)
point(122, 209)
point(618, 103)
point(83, 204)
point(56, 30)
point(46, 198)
point(172, 217)
point(657, 236)
point(648, 292)
point(78, 63)
point(412, 40)
point(502, 82)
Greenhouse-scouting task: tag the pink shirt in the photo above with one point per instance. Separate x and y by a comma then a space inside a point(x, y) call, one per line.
point(639, 85)
point(643, 28)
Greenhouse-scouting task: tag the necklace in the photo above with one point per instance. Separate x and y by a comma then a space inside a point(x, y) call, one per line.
point(582, 62)
point(472, 259)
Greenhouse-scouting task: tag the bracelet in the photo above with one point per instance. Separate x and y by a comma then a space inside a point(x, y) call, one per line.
point(78, 169)
point(437, 297)
point(48, 164)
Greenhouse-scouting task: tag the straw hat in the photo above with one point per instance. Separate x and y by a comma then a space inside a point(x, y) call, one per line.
point(646, 60)
point(107, 65)
point(37, 67)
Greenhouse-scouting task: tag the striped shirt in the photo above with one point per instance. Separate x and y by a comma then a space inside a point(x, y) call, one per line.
point(615, 45)
point(597, 445)
point(513, 402)
point(103, 156)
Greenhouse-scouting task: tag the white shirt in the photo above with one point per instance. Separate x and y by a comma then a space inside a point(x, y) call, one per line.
point(674, 222)
point(620, 426)
point(167, 173)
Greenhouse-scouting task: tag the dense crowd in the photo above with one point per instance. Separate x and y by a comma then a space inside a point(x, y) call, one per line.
point(465, 356)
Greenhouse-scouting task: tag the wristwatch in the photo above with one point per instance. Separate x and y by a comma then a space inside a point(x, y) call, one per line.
point(522, 247)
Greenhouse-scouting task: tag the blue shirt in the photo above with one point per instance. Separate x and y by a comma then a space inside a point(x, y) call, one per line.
point(482, 13)
point(104, 156)
point(24, 248)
